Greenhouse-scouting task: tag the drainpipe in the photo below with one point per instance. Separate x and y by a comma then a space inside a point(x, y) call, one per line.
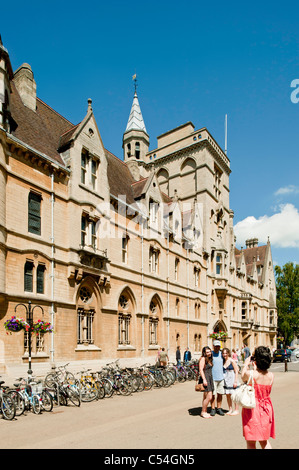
point(168, 345)
point(52, 267)
point(188, 326)
point(142, 291)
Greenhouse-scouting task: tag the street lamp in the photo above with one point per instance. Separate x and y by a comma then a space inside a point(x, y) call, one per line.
point(29, 318)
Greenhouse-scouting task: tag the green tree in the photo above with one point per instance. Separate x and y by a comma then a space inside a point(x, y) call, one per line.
point(287, 299)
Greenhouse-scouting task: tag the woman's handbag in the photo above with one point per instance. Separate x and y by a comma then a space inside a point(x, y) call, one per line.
point(199, 387)
point(244, 395)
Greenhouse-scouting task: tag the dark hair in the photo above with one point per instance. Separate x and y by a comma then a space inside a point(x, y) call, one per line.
point(262, 357)
point(204, 354)
point(228, 352)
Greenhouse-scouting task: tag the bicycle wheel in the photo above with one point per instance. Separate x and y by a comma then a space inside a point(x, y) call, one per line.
point(173, 374)
point(36, 405)
point(167, 379)
point(123, 388)
point(70, 378)
point(181, 376)
point(159, 379)
point(8, 407)
point(61, 399)
point(108, 387)
point(134, 383)
point(148, 381)
point(141, 385)
point(88, 392)
point(189, 373)
point(51, 379)
point(18, 401)
point(100, 390)
point(46, 401)
point(74, 397)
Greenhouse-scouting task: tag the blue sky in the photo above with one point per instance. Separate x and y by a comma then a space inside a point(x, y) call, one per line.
point(195, 61)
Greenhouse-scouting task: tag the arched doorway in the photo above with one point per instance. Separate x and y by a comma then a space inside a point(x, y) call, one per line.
point(220, 327)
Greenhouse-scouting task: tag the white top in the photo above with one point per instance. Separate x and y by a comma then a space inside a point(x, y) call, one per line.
point(135, 121)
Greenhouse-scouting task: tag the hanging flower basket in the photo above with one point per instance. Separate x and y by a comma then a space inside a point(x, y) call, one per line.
point(15, 324)
point(221, 335)
point(42, 327)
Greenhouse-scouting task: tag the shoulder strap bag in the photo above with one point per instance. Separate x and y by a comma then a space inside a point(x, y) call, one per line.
point(244, 395)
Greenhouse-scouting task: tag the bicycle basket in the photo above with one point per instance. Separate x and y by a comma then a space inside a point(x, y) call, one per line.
point(36, 388)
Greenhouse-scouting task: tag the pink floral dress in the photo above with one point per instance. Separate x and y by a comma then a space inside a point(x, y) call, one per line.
point(258, 423)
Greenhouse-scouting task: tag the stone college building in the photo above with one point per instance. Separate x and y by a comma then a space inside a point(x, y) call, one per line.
point(122, 256)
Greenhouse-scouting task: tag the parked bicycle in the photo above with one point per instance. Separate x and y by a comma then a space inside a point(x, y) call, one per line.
point(63, 392)
point(27, 395)
point(90, 387)
point(114, 381)
point(59, 374)
point(7, 405)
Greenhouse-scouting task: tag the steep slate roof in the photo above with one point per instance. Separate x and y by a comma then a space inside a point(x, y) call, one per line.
point(40, 129)
point(138, 187)
point(257, 252)
point(47, 131)
point(65, 138)
point(119, 177)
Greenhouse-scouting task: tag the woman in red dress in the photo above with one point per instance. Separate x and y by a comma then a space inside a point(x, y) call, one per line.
point(258, 423)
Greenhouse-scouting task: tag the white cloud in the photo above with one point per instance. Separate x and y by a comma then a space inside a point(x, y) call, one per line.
point(282, 228)
point(291, 189)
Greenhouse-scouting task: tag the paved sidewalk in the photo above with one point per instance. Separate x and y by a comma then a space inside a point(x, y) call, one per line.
point(159, 419)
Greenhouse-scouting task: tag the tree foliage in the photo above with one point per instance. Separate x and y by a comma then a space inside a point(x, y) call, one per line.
point(287, 299)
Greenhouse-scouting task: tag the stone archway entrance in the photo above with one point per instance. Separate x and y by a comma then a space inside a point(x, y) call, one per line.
point(220, 327)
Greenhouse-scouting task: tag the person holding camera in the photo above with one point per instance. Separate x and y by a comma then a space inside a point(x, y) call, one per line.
point(258, 423)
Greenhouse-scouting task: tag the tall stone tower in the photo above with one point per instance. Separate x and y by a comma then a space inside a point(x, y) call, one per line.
point(135, 141)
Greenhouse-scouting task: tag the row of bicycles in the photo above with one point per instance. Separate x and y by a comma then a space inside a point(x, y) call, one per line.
point(62, 387)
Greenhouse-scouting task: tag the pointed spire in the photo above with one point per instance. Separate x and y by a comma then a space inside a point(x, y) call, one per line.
point(135, 121)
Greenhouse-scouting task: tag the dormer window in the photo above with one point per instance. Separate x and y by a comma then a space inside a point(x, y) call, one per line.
point(153, 211)
point(84, 157)
point(94, 168)
point(89, 169)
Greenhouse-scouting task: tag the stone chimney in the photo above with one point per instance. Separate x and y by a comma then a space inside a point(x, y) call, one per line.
point(251, 242)
point(26, 85)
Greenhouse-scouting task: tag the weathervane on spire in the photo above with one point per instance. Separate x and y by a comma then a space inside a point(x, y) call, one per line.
point(135, 81)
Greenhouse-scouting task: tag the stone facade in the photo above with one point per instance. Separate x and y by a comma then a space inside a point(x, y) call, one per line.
point(122, 256)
